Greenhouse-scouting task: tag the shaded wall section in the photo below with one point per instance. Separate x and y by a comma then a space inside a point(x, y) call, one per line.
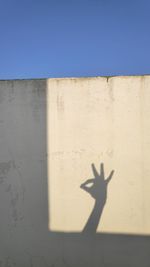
point(54, 134)
point(23, 169)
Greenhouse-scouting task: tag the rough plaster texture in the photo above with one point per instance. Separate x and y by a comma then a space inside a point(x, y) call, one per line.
point(50, 133)
point(100, 120)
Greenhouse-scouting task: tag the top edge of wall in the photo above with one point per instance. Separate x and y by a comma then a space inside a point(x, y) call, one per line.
point(76, 78)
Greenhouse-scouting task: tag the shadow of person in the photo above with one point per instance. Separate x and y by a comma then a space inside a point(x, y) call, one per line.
point(97, 188)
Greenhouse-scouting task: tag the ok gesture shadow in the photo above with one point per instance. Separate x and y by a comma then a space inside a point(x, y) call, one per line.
point(97, 186)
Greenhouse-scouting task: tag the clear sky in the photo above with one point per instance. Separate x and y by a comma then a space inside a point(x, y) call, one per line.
point(73, 38)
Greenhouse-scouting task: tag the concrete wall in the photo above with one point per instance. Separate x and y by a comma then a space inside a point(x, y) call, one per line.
point(54, 134)
point(92, 121)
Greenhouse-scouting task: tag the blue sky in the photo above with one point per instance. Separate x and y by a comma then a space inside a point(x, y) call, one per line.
point(74, 38)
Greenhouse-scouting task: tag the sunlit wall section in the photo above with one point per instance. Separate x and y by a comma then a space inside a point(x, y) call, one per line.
point(99, 120)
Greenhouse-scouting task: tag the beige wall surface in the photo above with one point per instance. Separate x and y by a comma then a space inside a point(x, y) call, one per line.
point(98, 120)
point(52, 134)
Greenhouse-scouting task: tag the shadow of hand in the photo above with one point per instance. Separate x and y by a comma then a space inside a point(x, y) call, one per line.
point(97, 186)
